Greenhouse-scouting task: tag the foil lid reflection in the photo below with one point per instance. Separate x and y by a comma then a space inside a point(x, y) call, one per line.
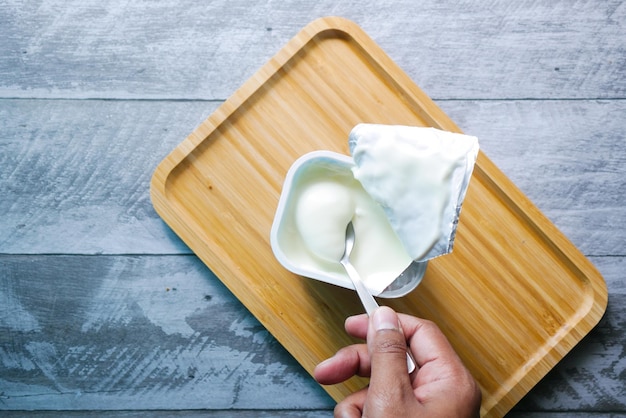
point(420, 177)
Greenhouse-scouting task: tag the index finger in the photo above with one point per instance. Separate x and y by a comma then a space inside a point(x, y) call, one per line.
point(427, 341)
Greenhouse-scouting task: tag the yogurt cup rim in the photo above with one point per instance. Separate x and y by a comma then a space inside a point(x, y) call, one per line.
point(299, 164)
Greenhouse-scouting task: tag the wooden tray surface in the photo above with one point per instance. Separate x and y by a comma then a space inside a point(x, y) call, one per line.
point(514, 296)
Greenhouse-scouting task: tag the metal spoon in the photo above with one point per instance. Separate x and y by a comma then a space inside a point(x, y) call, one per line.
point(368, 301)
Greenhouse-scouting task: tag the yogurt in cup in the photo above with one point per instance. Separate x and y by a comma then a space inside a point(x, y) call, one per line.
point(320, 196)
point(403, 190)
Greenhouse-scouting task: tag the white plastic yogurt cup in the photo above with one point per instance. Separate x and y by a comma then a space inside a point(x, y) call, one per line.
point(308, 240)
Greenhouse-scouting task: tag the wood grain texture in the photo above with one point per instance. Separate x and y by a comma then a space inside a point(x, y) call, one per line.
point(74, 175)
point(263, 414)
point(233, 413)
point(65, 161)
point(71, 324)
point(96, 332)
point(194, 50)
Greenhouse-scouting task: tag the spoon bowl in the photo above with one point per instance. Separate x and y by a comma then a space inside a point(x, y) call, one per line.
point(368, 301)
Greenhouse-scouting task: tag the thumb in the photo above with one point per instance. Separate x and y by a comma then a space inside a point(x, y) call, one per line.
point(390, 384)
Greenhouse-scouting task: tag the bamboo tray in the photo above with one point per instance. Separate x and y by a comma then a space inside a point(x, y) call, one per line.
point(513, 298)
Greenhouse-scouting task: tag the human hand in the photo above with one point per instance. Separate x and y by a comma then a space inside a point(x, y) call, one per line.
point(441, 386)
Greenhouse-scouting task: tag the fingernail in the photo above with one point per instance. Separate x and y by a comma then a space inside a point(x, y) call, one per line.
point(323, 363)
point(385, 318)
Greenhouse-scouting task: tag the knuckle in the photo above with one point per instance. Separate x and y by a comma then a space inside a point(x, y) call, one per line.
point(429, 325)
point(390, 344)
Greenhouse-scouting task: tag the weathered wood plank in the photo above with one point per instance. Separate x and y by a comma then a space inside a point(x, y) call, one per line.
point(264, 414)
point(190, 414)
point(98, 332)
point(195, 50)
point(271, 414)
point(75, 175)
point(145, 332)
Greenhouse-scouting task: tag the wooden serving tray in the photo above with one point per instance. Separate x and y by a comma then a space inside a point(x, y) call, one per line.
point(514, 296)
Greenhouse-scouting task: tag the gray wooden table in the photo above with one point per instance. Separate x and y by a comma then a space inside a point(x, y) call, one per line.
point(105, 312)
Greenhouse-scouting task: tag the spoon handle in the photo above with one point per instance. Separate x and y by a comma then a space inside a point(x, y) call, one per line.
point(369, 303)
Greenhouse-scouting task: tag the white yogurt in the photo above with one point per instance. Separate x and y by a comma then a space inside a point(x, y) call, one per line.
point(419, 176)
point(309, 233)
point(325, 206)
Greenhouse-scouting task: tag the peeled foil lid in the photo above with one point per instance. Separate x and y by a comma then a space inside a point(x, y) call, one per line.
point(396, 164)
